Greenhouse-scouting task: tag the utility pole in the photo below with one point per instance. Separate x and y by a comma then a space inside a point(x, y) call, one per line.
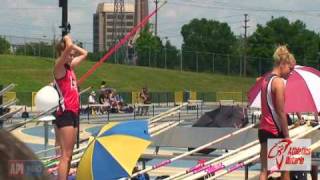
point(246, 20)
point(156, 18)
point(65, 26)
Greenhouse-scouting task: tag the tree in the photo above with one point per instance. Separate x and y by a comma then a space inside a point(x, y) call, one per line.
point(303, 43)
point(202, 35)
point(170, 56)
point(207, 35)
point(147, 46)
point(4, 46)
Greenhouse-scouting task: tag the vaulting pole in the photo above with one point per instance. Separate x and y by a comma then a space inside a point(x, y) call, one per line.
point(166, 162)
point(254, 152)
point(187, 172)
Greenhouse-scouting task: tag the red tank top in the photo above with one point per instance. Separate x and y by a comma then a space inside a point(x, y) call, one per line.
point(68, 92)
point(270, 120)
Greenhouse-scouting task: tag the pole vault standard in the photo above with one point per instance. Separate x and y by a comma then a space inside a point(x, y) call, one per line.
point(65, 26)
point(166, 162)
point(119, 44)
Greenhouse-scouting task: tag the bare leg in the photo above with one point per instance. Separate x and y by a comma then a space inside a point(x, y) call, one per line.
point(67, 143)
point(263, 159)
point(57, 141)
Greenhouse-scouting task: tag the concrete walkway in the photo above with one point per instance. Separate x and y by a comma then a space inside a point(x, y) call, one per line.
point(26, 138)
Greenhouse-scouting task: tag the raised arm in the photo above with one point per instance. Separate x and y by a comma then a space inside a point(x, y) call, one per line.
point(83, 55)
point(59, 70)
point(278, 90)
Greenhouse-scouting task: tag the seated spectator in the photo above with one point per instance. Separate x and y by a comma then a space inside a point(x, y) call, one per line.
point(113, 102)
point(144, 98)
point(104, 100)
point(92, 100)
point(120, 102)
point(101, 97)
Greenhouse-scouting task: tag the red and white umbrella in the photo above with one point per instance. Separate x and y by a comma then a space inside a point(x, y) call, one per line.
point(302, 92)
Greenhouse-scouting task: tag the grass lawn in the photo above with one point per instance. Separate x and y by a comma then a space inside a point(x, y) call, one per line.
point(31, 73)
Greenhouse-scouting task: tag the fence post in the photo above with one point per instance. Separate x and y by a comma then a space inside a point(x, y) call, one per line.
point(53, 47)
point(181, 60)
point(165, 58)
point(39, 49)
point(213, 62)
point(149, 53)
point(228, 64)
point(25, 50)
point(134, 111)
point(167, 97)
point(240, 65)
point(197, 68)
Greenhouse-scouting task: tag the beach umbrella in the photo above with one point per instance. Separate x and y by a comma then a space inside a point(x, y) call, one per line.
point(301, 91)
point(254, 94)
point(115, 150)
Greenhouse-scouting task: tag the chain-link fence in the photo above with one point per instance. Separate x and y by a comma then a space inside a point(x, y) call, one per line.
point(164, 98)
point(160, 58)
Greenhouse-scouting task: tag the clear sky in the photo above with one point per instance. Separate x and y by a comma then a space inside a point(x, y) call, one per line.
point(41, 18)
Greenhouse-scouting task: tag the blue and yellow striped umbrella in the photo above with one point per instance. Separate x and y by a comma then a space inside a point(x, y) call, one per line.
point(115, 151)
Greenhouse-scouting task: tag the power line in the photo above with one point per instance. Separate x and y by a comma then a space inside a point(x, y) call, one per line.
point(209, 6)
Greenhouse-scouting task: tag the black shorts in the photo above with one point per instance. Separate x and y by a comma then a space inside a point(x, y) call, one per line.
point(67, 118)
point(264, 135)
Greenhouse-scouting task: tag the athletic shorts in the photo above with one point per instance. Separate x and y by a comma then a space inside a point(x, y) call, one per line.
point(67, 118)
point(264, 135)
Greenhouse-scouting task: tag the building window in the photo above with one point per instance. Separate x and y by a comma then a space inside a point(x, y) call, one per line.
point(129, 16)
point(129, 23)
point(110, 16)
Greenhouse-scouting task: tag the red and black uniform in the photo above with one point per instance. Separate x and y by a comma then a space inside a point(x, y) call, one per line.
point(67, 113)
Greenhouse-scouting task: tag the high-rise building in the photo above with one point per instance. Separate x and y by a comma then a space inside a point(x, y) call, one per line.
point(103, 21)
point(141, 10)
